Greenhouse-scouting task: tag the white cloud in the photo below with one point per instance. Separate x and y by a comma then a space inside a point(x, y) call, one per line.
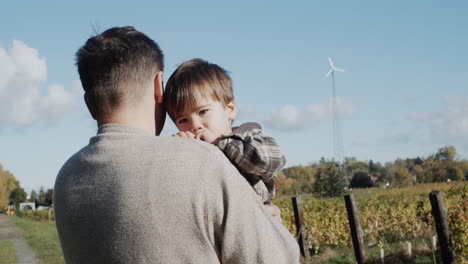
point(22, 74)
point(448, 126)
point(451, 125)
point(410, 135)
point(289, 117)
point(57, 101)
point(420, 116)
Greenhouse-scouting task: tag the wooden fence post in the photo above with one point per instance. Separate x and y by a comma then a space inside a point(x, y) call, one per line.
point(49, 214)
point(409, 248)
point(443, 233)
point(356, 230)
point(301, 232)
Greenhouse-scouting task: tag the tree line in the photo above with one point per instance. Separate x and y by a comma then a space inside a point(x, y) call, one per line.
point(11, 193)
point(8, 183)
point(327, 178)
point(41, 198)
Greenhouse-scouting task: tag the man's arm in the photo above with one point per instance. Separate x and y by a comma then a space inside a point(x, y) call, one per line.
point(252, 152)
point(245, 232)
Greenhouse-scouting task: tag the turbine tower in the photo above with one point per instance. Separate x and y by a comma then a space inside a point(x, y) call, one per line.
point(338, 151)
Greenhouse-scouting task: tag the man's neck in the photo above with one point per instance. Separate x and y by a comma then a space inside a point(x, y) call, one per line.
point(132, 118)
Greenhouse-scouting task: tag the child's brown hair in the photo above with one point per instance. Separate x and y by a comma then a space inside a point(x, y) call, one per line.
point(196, 77)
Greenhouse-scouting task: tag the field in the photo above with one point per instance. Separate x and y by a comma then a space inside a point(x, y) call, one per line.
point(389, 219)
point(7, 252)
point(42, 237)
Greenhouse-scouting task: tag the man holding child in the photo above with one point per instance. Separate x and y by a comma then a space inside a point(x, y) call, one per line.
point(132, 197)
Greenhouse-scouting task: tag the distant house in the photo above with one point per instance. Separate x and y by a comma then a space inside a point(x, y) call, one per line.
point(41, 207)
point(26, 206)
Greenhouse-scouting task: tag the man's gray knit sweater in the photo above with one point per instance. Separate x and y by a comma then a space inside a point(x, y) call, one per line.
point(130, 197)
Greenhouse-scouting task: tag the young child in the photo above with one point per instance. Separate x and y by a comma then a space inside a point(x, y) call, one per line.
point(199, 99)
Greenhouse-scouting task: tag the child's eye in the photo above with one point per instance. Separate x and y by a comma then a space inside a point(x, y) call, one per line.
point(202, 112)
point(181, 121)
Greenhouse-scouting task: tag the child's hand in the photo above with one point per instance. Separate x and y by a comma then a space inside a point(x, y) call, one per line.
point(274, 211)
point(207, 136)
point(185, 134)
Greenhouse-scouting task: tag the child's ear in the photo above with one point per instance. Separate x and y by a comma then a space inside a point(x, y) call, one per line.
point(232, 108)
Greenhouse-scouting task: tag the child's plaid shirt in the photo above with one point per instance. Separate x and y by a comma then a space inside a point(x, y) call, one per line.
point(257, 157)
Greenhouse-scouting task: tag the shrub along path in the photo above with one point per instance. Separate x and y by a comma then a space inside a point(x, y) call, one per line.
point(24, 254)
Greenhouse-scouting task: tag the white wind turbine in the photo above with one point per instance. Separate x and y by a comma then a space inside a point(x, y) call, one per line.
point(332, 68)
point(338, 151)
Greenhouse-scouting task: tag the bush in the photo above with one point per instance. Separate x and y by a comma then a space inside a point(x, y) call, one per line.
point(40, 215)
point(17, 196)
point(329, 181)
point(387, 216)
point(361, 179)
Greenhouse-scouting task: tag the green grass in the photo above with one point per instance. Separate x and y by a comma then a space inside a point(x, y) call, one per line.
point(42, 237)
point(7, 252)
point(394, 254)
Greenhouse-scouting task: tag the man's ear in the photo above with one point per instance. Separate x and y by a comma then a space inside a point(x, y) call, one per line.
point(158, 87)
point(232, 108)
point(91, 108)
point(159, 110)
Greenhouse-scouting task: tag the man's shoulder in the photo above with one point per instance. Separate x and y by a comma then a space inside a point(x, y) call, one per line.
point(178, 154)
point(196, 147)
point(73, 159)
point(208, 155)
point(170, 147)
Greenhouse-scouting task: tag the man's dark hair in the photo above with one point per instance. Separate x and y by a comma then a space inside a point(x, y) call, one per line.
point(115, 65)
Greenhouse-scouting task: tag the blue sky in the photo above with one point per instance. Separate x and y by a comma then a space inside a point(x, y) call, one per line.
point(404, 92)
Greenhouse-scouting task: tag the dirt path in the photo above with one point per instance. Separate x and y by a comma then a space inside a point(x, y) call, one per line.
point(24, 254)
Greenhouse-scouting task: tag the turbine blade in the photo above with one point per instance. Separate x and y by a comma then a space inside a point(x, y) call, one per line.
point(340, 70)
point(328, 73)
point(330, 62)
